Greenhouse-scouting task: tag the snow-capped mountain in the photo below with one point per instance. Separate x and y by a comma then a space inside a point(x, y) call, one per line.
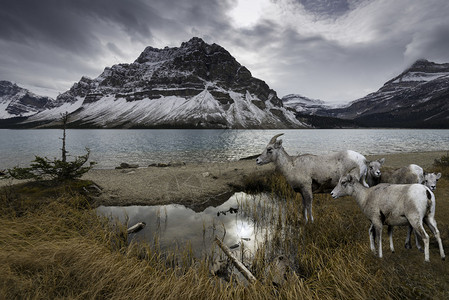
point(303, 104)
point(417, 98)
point(196, 85)
point(19, 102)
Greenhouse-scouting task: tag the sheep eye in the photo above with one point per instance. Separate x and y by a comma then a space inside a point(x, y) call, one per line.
point(269, 150)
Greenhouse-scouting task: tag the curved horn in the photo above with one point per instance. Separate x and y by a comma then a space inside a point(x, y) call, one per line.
point(273, 139)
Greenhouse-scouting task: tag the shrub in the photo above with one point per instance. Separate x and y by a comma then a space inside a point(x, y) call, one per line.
point(43, 168)
point(443, 161)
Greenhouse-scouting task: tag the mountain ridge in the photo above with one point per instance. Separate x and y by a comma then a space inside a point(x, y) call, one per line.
point(200, 85)
point(196, 85)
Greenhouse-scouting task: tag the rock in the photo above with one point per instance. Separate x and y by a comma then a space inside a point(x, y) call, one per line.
point(278, 270)
point(176, 163)
point(128, 166)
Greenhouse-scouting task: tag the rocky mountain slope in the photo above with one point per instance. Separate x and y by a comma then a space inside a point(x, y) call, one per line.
point(303, 104)
point(19, 102)
point(196, 85)
point(417, 98)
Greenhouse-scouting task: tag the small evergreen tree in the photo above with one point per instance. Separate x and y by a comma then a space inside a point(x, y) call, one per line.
point(43, 168)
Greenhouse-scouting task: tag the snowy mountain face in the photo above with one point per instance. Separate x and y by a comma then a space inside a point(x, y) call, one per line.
point(303, 104)
point(196, 85)
point(19, 102)
point(419, 97)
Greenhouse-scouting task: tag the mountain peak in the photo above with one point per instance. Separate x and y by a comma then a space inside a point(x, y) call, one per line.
point(195, 41)
point(16, 101)
point(196, 85)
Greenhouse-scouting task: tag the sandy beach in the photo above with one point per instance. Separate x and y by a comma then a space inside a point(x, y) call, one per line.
point(197, 184)
point(191, 185)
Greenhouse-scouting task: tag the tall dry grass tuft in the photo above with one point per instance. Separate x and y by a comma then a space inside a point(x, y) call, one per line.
point(61, 249)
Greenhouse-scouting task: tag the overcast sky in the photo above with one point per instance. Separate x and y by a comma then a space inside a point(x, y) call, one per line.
point(333, 50)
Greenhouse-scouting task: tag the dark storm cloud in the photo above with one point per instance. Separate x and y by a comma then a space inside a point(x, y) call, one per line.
point(333, 50)
point(75, 38)
point(326, 7)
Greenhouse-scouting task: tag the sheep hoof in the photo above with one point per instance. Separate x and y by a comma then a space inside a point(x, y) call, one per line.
point(408, 246)
point(421, 250)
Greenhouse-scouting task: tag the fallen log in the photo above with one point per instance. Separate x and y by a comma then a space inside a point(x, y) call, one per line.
point(239, 265)
point(135, 228)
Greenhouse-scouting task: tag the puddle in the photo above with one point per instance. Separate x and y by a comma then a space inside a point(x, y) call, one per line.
point(235, 222)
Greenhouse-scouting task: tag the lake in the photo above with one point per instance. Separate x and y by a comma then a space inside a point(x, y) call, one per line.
point(110, 147)
point(175, 225)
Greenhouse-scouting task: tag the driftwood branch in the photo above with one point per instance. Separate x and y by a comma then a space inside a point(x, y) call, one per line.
point(240, 266)
point(135, 228)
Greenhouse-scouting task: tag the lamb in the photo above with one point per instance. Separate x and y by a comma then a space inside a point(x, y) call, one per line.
point(309, 173)
point(430, 180)
point(393, 205)
point(406, 175)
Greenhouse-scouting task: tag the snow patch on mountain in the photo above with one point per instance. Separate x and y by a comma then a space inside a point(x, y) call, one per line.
point(55, 113)
point(420, 77)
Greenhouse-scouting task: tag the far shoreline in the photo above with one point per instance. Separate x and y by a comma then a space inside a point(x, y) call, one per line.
point(197, 185)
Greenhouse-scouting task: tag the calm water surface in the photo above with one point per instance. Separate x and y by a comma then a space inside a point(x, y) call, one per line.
point(111, 147)
point(175, 225)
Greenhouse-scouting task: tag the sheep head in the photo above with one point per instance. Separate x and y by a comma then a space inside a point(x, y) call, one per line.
point(374, 167)
point(271, 151)
point(345, 186)
point(430, 180)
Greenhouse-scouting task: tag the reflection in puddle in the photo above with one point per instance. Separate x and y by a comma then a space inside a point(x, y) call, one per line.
point(174, 226)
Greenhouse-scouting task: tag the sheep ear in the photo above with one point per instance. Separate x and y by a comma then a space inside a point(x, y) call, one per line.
point(381, 161)
point(438, 176)
point(278, 144)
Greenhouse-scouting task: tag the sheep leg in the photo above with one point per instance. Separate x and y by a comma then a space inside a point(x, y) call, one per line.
point(372, 236)
point(418, 245)
point(408, 243)
point(390, 235)
point(425, 237)
point(378, 232)
point(433, 227)
point(307, 198)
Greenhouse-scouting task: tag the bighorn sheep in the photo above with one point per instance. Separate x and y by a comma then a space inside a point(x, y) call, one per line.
point(393, 205)
point(430, 180)
point(406, 175)
point(312, 173)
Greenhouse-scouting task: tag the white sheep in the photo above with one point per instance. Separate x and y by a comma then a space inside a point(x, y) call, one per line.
point(309, 173)
point(393, 205)
point(431, 179)
point(406, 175)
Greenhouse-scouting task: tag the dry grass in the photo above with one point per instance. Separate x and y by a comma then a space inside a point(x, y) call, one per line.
point(62, 249)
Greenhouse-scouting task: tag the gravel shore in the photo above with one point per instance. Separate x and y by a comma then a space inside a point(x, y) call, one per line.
point(197, 184)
